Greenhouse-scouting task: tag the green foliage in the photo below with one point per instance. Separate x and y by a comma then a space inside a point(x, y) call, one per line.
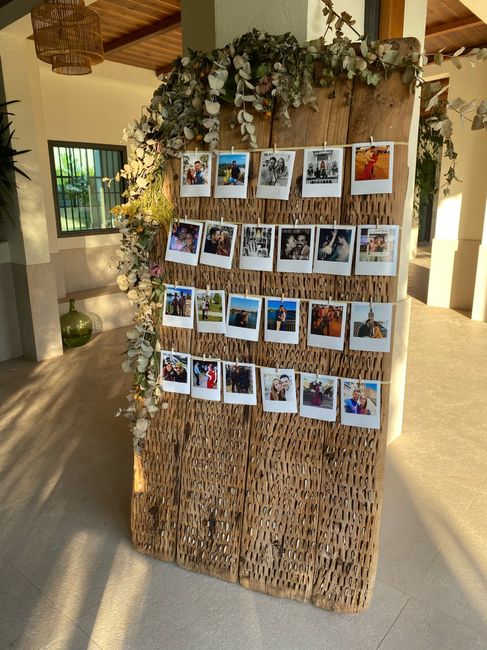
point(8, 163)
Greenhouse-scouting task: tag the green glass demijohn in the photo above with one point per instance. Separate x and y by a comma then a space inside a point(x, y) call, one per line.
point(76, 327)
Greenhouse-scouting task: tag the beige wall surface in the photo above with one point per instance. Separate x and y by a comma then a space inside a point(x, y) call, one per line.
point(460, 218)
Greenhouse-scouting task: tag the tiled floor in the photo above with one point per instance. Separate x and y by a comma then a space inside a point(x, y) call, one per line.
point(70, 579)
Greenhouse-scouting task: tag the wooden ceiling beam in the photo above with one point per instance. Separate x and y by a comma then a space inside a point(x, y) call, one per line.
point(149, 31)
point(453, 25)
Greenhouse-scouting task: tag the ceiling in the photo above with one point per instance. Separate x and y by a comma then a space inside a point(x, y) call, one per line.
point(450, 25)
point(144, 33)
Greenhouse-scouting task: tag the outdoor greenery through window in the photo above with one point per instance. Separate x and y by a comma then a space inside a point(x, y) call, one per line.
point(83, 201)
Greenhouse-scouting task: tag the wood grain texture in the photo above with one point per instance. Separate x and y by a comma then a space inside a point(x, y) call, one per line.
point(287, 505)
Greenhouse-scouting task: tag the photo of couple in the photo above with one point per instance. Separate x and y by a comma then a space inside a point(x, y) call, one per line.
point(318, 397)
point(239, 383)
point(334, 244)
point(282, 321)
point(275, 174)
point(218, 244)
point(334, 250)
point(205, 382)
point(372, 168)
point(257, 247)
point(377, 250)
point(210, 310)
point(278, 390)
point(371, 326)
point(361, 403)
point(195, 169)
point(295, 253)
point(322, 172)
point(183, 242)
point(326, 320)
point(178, 306)
point(243, 317)
point(231, 175)
point(175, 372)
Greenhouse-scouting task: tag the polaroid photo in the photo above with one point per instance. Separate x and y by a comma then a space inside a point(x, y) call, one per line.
point(243, 317)
point(371, 326)
point(278, 390)
point(322, 172)
point(174, 374)
point(178, 309)
point(372, 168)
point(360, 403)
point(295, 246)
point(377, 248)
point(232, 175)
point(195, 174)
point(318, 397)
point(184, 241)
point(205, 379)
point(334, 249)
point(210, 311)
point(275, 174)
point(257, 247)
point(281, 320)
point(218, 244)
point(326, 324)
point(239, 386)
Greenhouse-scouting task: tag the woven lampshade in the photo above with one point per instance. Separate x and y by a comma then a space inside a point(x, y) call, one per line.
point(67, 35)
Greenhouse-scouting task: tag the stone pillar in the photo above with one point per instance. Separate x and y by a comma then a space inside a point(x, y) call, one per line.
point(28, 238)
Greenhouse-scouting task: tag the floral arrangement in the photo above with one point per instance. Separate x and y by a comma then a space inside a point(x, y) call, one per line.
point(258, 74)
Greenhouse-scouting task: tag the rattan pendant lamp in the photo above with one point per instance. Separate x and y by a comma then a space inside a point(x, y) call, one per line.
point(67, 35)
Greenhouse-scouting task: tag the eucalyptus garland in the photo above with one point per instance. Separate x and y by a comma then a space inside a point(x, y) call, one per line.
point(258, 75)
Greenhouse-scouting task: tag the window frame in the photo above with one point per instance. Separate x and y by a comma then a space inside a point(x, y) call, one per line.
point(52, 163)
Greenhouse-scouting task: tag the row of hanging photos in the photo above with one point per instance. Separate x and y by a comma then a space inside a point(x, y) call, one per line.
point(301, 248)
point(371, 172)
point(206, 378)
point(370, 323)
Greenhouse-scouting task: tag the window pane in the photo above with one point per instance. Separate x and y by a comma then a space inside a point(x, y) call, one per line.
point(83, 200)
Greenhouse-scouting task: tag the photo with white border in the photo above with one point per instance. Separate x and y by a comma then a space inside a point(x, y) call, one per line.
point(218, 244)
point(257, 247)
point(243, 317)
point(178, 308)
point(175, 369)
point(377, 248)
point(184, 241)
point(295, 245)
point(326, 324)
point(371, 326)
point(239, 385)
point(372, 168)
point(195, 174)
point(278, 390)
point(334, 249)
point(322, 172)
point(232, 174)
point(281, 321)
point(318, 396)
point(360, 403)
point(275, 174)
point(205, 379)
point(210, 311)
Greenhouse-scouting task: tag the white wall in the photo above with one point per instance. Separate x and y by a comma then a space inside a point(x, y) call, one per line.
point(94, 109)
point(461, 215)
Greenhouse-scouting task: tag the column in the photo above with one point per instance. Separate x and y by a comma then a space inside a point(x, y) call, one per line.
point(28, 237)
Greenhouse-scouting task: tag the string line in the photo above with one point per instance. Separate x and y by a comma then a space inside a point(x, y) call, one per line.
point(285, 297)
point(276, 149)
point(296, 224)
point(237, 362)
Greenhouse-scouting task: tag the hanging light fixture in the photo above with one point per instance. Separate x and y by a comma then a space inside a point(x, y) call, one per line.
point(67, 35)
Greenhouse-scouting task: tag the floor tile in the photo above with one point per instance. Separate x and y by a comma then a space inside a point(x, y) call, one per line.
point(421, 627)
point(30, 621)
